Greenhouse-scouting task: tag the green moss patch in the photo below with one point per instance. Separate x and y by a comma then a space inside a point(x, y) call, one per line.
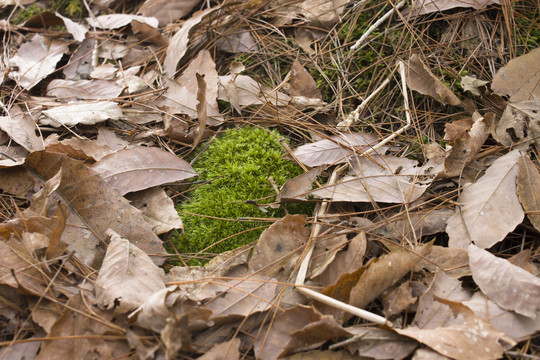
point(234, 168)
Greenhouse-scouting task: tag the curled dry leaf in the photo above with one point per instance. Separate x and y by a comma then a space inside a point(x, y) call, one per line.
point(83, 149)
point(516, 326)
point(491, 207)
point(473, 338)
point(157, 209)
point(297, 327)
point(507, 285)
point(141, 168)
point(519, 78)
point(279, 247)
point(421, 79)
point(78, 31)
point(35, 60)
point(519, 125)
point(384, 272)
point(298, 187)
point(167, 12)
point(430, 6)
point(115, 21)
point(21, 127)
point(127, 277)
point(180, 41)
point(95, 204)
point(381, 178)
point(83, 89)
point(85, 113)
point(336, 149)
point(528, 189)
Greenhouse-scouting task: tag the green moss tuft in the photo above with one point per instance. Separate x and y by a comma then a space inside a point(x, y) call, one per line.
point(236, 167)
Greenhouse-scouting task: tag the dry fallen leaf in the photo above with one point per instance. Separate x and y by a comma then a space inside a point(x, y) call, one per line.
point(491, 207)
point(421, 79)
point(21, 127)
point(384, 272)
point(519, 125)
point(473, 338)
point(167, 12)
point(519, 78)
point(80, 148)
point(157, 209)
point(380, 178)
point(507, 285)
point(83, 89)
point(528, 189)
point(115, 21)
point(336, 149)
point(380, 344)
point(35, 60)
point(141, 168)
point(302, 83)
point(87, 113)
point(298, 187)
point(127, 276)
point(228, 350)
point(431, 6)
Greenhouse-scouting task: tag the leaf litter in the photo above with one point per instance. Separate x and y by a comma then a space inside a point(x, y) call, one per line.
point(423, 241)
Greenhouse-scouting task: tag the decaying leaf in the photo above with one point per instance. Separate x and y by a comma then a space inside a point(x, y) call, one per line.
point(431, 6)
point(180, 41)
point(167, 12)
point(380, 344)
point(115, 21)
point(473, 338)
point(421, 79)
point(83, 89)
point(295, 327)
point(384, 272)
point(79, 148)
point(157, 209)
point(516, 326)
point(224, 351)
point(491, 207)
point(317, 13)
point(127, 276)
point(302, 83)
point(336, 149)
point(240, 41)
point(35, 60)
point(298, 187)
point(507, 285)
point(279, 247)
point(21, 127)
point(380, 178)
point(141, 168)
point(519, 78)
point(87, 113)
point(528, 189)
point(519, 125)
point(96, 205)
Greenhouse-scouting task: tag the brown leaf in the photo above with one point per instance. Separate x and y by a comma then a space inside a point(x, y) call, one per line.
point(17, 181)
point(453, 261)
point(513, 325)
point(35, 60)
point(528, 189)
point(21, 127)
point(295, 327)
point(336, 149)
point(127, 276)
point(474, 338)
point(381, 178)
point(507, 285)
point(224, 351)
point(519, 78)
point(321, 355)
point(77, 321)
point(325, 252)
point(84, 113)
point(180, 41)
point(519, 125)
point(490, 209)
point(239, 297)
point(415, 225)
point(83, 149)
point(431, 313)
point(115, 21)
point(384, 272)
point(239, 41)
point(80, 64)
point(95, 203)
point(380, 344)
point(142, 168)
point(431, 6)
point(167, 12)
point(297, 188)
point(279, 247)
point(302, 83)
point(421, 79)
point(157, 209)
point(398, 300)
point(181, 96)
point(83, 89)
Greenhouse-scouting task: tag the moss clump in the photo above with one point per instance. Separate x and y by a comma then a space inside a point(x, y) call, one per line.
point(234, 168)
